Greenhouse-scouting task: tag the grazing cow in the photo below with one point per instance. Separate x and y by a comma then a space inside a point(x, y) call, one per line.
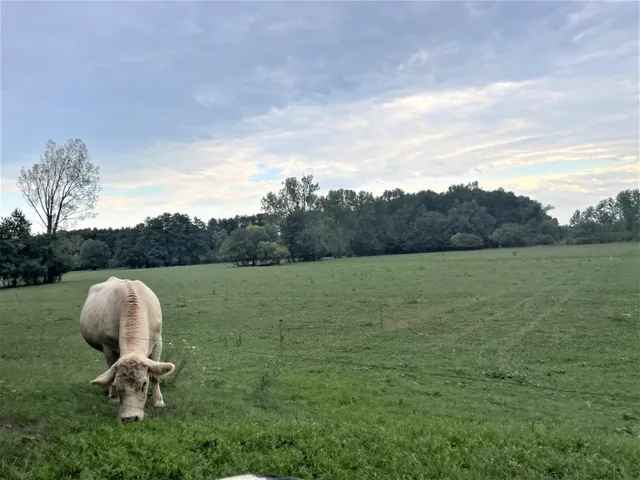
point(123, 320)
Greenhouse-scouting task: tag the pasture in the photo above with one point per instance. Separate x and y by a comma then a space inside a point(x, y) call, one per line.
point(492, 364)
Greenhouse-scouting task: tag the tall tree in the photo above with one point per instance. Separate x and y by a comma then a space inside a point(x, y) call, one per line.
point(15, 234)
point(628, 202)
point(63, 188)
point(295, 196)
point(16, 226)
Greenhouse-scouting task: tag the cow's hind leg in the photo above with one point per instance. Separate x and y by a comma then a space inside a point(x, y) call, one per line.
point(158, 401)
point(111, 357)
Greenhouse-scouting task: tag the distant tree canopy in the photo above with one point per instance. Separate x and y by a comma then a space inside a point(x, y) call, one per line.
point(298, 224)
point(612, 219)
point(27, 259)
point(94, 254)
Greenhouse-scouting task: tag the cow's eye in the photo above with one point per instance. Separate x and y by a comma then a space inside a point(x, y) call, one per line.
point(144, 385)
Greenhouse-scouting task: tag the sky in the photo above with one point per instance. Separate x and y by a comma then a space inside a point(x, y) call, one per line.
point(204, 107)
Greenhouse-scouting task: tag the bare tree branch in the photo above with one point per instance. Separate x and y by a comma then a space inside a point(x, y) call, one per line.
point(63, 188)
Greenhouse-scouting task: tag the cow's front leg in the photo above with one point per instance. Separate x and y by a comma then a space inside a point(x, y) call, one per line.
point(158, 401)
point(111, 356)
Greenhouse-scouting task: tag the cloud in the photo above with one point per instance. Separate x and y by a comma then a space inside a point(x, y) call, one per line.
point(411, 141)
point(278, 76)
point(577, 190)
point(208, 94)
point(584, 13)
point(480, 9)
point(414, 141)
point(426, 56)
point(215, 104)
point(8, 186)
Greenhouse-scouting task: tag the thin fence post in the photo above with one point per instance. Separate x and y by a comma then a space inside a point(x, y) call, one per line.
point(281, 335)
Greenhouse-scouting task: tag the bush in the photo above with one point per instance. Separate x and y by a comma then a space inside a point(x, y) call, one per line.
point(466, 241)
point(271, 253)
point(251, 245)
point(510, 235)
point(542, 239)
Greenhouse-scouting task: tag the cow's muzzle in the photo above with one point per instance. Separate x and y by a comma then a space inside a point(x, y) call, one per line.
point(134, 418)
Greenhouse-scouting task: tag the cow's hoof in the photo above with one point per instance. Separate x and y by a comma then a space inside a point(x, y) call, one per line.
point(159, 404)
point(114, 400)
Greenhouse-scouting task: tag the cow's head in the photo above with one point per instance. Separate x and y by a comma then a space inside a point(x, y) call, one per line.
point(130, 376)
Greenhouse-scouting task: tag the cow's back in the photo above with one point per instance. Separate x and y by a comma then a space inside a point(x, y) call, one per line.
point(101, 312)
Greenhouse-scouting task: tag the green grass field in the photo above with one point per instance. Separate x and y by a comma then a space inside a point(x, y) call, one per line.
point(492, 364)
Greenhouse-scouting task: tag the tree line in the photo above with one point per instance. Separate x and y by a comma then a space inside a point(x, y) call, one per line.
point(296, 224)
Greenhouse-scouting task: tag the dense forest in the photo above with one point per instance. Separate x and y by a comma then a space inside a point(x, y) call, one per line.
point(298, 224)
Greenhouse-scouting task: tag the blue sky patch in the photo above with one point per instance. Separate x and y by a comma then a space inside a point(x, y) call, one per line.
point(267, 173)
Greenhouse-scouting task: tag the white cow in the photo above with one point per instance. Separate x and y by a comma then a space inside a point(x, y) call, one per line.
point(123, 319)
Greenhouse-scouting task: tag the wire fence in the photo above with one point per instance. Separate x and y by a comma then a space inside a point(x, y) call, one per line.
point(284, 351)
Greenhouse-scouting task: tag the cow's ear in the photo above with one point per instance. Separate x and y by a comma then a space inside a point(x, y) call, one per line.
point(160, 369)
point(106, 378)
